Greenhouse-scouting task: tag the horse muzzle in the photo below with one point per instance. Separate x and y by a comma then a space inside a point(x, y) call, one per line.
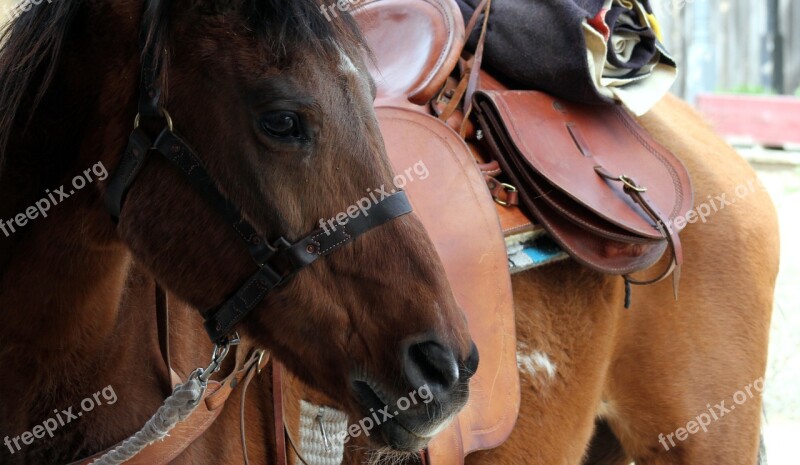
point(439, 385)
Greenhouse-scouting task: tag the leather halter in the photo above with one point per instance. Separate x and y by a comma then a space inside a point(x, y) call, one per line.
point(278, 261)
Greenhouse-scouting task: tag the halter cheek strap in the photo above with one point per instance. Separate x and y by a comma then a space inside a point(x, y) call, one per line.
point(276, 262)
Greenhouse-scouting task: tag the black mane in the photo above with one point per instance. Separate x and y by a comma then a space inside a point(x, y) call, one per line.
point(29, 54)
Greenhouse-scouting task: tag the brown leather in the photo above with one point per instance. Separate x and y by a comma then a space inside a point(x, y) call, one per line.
point(563, 157)
point(472, 76)
point(443, 449)
point(162, 322)
point(277, 413)
point(636, 243)
point(469, 80)
point(163, 452)
point(512, 220)
point(416, 43)
point(460, 218)
point(466, 233)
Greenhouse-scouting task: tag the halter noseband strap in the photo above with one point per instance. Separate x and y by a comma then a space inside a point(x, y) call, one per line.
point(276, 262)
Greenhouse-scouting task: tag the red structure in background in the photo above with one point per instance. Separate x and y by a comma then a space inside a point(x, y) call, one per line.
point(771, 121)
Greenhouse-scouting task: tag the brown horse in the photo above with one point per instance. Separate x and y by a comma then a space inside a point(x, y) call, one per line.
point(611, 386)
point(666, 381)
point(276, 102)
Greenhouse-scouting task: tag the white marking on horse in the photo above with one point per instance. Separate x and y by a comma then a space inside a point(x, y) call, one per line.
point(605, 409)
point(534, 362)
point(346, 65)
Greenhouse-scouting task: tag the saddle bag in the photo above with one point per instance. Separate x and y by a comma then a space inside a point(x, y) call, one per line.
point(601, 186)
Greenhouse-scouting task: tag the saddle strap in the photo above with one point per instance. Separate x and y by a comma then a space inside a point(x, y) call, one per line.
point(277, 414)
point(242, 423)
point(469, 80)
point(637, 193)
point(477, 61)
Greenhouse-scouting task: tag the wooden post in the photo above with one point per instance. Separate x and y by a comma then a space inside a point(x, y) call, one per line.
point(773, 49)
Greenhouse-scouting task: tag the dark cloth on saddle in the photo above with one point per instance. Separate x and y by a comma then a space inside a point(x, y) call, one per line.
point(642, 53)
point(539, 44)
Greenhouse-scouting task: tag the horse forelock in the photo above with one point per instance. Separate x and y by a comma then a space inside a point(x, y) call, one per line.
point(302, 22)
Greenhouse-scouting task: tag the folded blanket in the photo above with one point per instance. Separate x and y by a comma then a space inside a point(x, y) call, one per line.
point(589, 51)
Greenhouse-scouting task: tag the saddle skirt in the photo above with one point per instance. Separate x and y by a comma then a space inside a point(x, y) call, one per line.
point(416, 44)
point(479, 233)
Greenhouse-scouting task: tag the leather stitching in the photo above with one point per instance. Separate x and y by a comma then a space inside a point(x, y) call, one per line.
point(611, 235)
point(324, 251)
point(671, 169)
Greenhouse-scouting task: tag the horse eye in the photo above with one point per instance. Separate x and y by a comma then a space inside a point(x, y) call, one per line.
point(282, 125)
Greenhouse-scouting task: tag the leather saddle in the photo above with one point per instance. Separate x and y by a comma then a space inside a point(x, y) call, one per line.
point(584, 172)
point(416, 44)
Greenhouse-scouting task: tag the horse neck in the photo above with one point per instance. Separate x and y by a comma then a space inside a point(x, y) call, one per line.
point(78, 314)
point(78, 317)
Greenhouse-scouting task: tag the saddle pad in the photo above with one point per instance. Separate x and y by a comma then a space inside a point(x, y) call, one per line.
point(531, 250)
point(415, 43)
point(460, 218)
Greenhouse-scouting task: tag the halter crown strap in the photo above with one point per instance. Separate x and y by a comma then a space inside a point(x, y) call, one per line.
point(276, 262)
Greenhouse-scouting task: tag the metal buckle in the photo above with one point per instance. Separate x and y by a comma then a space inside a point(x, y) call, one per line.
point(631, 184)
point(509, 189)
point(221, 350)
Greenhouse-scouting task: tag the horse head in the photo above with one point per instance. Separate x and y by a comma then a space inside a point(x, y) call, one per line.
point(275, 100)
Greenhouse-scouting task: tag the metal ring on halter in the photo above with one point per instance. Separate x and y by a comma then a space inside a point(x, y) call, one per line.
point(217, 356)
point(166, 117)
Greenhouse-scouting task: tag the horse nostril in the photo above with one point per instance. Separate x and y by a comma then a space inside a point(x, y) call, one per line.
point(471, 363)
point(429, 363)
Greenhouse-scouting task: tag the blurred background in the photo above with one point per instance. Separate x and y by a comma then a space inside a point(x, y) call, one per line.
point(737, 46)
point(739, 64)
